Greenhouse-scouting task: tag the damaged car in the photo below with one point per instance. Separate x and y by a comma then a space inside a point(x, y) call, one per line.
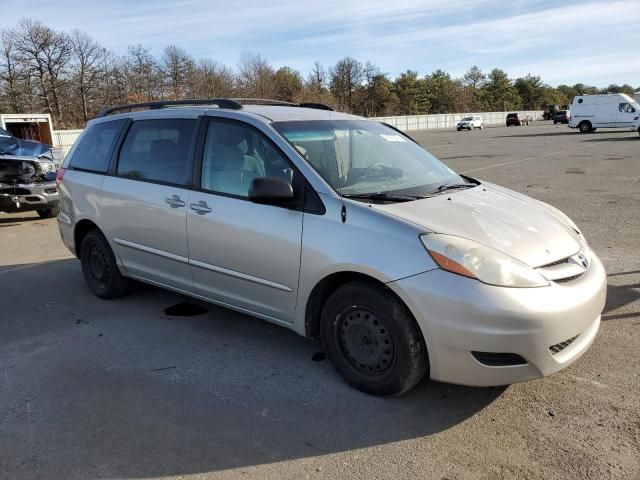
point(27, 176)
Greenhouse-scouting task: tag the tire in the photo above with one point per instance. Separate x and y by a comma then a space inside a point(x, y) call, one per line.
point(470, 128)
point(372, 339)
point(555, 123)
point(458, 129)
point(50, 212)
point(585, 127)
point(481, 127)
point(99, 267)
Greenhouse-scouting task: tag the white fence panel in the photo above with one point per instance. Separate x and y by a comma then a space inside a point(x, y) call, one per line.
point(64, 139)
point(408, 123)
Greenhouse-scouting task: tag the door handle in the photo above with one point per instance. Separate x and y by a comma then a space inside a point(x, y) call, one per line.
point(174, 201)
point(200, 208)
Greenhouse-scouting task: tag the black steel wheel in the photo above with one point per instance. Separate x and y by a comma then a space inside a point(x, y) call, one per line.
point(372, 339)
point(99, 267)
point(365, 341)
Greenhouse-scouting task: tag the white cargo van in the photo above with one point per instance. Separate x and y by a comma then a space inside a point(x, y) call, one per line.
point(614, 110)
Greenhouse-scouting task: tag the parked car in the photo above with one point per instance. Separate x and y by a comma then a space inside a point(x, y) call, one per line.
point(561, 116)
point(404, 268)
point(517, 119)
point(27, 176)
point(469, 123)
point(613, 110)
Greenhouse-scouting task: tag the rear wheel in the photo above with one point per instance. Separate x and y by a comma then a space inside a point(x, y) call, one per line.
point(100, 268)
point(50, 212)
point(585, 127)
point(372, 339)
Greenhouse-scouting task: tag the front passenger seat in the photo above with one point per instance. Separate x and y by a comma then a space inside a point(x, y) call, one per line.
point(227, 173)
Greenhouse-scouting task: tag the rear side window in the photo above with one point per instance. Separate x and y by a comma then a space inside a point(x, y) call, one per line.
point(94, 150)
point(158, 151)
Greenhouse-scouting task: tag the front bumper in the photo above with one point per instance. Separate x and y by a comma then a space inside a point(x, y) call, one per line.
point(459, 315)
point(28, 196)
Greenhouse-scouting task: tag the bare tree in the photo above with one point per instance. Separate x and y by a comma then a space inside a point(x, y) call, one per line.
point(10, 71)
point(346, 75)
point(177, 65)
point(47, 53)
point(141, 74)
point(87, 63)
point(255, 76)
point(211, 80)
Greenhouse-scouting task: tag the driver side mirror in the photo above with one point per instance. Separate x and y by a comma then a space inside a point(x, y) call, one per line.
point(270, 191)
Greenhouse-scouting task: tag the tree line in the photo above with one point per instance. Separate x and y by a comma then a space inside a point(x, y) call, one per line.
point(71, 76)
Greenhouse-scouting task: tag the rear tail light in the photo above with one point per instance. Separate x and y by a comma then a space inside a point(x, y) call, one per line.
point(60, 176)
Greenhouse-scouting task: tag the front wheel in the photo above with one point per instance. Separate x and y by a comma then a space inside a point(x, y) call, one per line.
point(99, 267)
point(481, 127)
point(372, 339)
point(50, 212)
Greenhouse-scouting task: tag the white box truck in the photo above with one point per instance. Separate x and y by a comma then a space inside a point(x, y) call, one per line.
point(613, 110)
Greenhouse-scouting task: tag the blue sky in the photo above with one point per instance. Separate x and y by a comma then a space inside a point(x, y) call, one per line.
point(595, 42)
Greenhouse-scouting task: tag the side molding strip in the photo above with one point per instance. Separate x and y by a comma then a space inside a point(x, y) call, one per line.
point(203, 265)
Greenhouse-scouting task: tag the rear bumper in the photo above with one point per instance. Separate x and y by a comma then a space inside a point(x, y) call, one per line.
point(28, 196)
point(458, 316)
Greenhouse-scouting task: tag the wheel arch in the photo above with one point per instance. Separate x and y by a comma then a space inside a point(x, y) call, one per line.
point(325, 287)
point(80, 231)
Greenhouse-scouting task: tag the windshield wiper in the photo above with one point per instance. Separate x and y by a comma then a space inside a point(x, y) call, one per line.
point(383, 196)
point(452, 186)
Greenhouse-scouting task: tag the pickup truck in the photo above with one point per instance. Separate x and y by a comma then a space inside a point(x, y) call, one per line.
point(27, 176)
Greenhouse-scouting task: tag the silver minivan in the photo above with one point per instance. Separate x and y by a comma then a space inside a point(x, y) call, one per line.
point(339, 227)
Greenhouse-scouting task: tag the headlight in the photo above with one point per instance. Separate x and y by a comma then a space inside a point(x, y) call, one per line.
point(470, 259)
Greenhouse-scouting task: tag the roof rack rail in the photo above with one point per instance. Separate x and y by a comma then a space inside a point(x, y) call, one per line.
point(262, 101)
point(266, 101)
point(218, 102)
point(318, 106)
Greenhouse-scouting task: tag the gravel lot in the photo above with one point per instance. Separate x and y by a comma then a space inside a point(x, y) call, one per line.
point(118, 389)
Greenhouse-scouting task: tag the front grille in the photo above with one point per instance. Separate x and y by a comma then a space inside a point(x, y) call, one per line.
point(499, 359)
point(568, 279)
point(553, 264)
point(558, 347)
point(15, 191)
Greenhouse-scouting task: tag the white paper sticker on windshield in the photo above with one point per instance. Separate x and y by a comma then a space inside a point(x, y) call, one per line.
point(393, 138)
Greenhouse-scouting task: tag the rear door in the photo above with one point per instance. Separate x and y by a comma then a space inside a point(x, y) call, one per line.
point(144, 202)
point(243, 254)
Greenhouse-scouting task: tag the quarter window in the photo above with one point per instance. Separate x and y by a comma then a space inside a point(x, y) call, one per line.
point(234, 154)
point(95, 148)
point(158, 151)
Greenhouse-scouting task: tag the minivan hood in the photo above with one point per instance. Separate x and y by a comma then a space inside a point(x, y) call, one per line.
point(507, 221)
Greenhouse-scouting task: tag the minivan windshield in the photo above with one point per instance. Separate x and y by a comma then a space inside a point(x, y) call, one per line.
point(360, 157)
